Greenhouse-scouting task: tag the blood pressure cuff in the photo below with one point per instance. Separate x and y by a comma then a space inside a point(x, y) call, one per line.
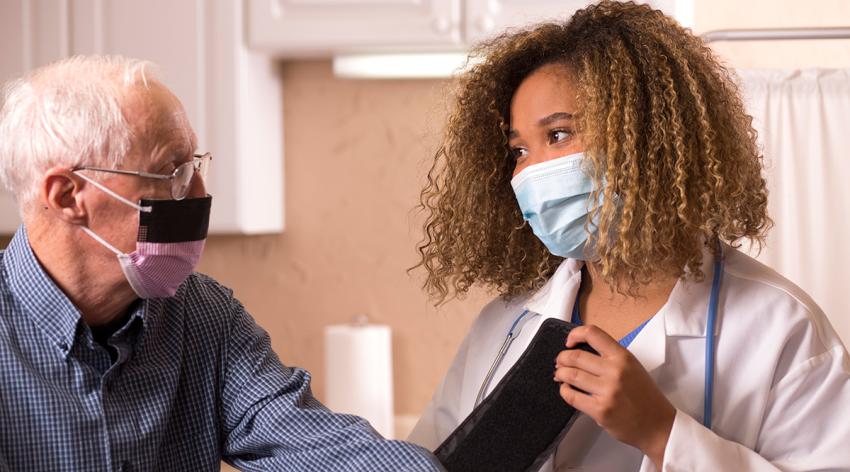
point(517, 426)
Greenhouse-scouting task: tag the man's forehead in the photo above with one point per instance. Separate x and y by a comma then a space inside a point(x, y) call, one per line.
point(158, 118)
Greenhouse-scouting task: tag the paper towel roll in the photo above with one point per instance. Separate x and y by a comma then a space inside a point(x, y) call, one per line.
point(359, 373)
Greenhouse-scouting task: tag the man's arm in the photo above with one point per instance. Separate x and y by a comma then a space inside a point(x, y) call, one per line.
point(271, 421)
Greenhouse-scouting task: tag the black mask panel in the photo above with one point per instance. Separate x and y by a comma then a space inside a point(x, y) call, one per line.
point(174, 221)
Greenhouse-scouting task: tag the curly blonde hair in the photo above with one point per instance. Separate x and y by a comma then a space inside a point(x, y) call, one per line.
point(663, 125)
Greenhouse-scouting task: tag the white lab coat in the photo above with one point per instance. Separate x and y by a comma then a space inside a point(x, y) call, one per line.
point(781, 389)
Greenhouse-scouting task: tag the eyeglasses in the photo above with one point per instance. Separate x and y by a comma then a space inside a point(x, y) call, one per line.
point(181, 178)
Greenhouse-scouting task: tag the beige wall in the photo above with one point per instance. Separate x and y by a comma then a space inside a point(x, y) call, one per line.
point(356, 153)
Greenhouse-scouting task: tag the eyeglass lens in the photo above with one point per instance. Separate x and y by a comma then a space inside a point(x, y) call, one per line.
point(182, 180)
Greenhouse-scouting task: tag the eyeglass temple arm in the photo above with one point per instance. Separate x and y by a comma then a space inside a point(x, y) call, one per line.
point(140, 173)
point(126, 172)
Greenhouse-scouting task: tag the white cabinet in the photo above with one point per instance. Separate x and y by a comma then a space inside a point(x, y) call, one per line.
point(293, 28)
point(484, 18)
point(32, 33)
point(233, 96)
point(322, 27)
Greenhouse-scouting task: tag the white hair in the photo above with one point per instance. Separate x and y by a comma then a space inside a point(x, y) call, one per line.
point(68, 113)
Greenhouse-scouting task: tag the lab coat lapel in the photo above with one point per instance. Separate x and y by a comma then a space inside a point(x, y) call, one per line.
point(650, 346)
point(684, 314)
point(686, 311)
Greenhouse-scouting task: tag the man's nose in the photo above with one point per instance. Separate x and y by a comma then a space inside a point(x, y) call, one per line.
point(197, 187)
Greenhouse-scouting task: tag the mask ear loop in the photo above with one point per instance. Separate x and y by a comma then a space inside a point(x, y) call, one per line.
point(102, 241)
point(113, 194)
point(126, 265)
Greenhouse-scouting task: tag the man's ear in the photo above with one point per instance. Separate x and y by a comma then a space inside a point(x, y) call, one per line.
point(60, 193)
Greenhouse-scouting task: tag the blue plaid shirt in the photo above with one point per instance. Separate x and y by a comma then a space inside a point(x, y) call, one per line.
point(195, 381)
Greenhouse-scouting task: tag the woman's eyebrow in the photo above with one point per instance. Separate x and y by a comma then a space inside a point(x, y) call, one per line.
point(561, 115)
point(546, 120)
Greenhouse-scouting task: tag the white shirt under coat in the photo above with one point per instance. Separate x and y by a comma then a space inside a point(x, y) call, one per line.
point(781, 388)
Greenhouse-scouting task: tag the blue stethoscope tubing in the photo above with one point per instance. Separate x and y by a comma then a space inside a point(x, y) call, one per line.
point(710, 324)
point(708, 396)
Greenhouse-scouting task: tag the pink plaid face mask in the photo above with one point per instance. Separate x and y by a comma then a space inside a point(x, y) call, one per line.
point(169, 244)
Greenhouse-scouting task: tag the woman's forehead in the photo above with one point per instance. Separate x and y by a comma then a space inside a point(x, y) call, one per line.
point(545, 91)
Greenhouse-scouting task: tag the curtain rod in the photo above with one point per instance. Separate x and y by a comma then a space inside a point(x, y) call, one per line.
point(768, 34)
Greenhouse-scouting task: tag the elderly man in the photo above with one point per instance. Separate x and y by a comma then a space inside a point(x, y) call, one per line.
point(135, 362)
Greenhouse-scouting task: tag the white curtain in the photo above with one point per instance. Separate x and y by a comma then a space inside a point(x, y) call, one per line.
point(803, 121)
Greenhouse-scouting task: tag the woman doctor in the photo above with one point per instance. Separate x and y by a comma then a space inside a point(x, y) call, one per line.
point(605, 171)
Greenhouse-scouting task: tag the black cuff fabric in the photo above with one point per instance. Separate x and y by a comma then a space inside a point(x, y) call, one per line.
point(519, 424)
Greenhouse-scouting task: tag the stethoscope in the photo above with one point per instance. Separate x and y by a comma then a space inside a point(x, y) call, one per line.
point(709, 343)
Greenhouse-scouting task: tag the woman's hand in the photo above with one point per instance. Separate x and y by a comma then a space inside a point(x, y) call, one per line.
point(621, 396)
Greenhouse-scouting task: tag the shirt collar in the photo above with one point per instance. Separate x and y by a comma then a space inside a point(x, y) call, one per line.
point(43, 301)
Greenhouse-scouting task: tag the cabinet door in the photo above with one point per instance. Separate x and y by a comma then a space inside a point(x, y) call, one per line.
point(486, 18)
point(233, 97)
point(33, 33)
point(320, 27)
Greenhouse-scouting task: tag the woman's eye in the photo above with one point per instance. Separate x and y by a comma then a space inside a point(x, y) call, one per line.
point(558, 135)
point(519, 153)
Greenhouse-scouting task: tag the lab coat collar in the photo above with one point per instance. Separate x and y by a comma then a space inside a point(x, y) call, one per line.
point(555, 299)
point(686, 311)
point(684, 314)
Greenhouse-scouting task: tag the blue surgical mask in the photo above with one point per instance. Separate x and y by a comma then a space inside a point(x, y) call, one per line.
point(554, 197)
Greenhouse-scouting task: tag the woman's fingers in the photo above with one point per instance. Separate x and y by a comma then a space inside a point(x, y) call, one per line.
point(604, 344)
point(581, 401)
point(579, 379)
point(582, 360)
